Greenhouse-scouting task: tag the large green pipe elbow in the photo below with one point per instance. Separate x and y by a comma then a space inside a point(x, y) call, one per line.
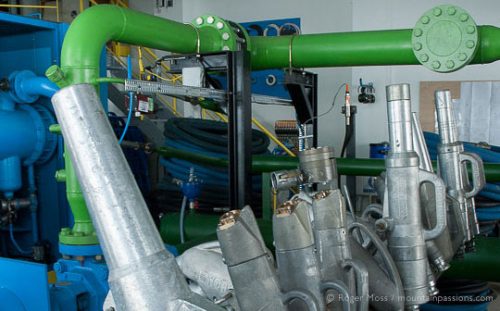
point(92, 29)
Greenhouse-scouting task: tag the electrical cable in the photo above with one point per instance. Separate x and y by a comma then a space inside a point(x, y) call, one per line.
point(331, 107)
point(14, 242)
point(131, 101)
point(181, 219)
point(209, 138)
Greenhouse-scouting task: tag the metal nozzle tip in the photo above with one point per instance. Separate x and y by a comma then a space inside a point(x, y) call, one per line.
point(398, 92)
point(227, 220)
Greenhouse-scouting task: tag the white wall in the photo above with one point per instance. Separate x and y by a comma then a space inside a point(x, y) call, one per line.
point(394, 14)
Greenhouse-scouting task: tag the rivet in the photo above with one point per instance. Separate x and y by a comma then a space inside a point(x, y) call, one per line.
point(199, 21)
point(436, 64)
point(418, 32)
point(452, 10)
point(220, 25)
point(210, 19)
point(426, 20)
point(437, 11)
point(424, 58)
point(462, 56)
point(225, 36)
point(417, 46)
point(464, 17)
point(470, 44)
point(471, 29)
point(450, 64)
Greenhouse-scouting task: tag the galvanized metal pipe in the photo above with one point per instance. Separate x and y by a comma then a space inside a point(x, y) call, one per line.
point(143, 275)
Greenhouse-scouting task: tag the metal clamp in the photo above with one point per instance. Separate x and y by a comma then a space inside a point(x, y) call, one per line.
point(478, 179)
point(362, 284)
point(440, 200)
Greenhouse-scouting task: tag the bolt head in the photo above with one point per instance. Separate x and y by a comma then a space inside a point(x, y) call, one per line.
point(471, 29)
point(210, 19)
point(462, 56)
point(418, 32)
point(450, 64)
point(451, 11)
point(220, 25)
point(424, 58)
point(437, 12)
point(417, 46)
point(436, 64)
point(464, 17)
point(225, 48)
point(199, 21)
point(225, 36)
point(426, 20)
point(470, 44)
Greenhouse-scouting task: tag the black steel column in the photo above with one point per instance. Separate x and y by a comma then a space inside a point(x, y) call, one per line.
point(240, 129)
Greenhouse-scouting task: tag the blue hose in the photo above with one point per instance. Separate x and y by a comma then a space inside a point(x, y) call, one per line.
point(14, 242)
point(131, 100)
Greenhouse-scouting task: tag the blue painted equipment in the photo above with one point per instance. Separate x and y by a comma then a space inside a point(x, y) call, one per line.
point(29, 157)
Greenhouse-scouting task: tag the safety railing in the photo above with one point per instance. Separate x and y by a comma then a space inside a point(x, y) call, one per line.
point(35, 6)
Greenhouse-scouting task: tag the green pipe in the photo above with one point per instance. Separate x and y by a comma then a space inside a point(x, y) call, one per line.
point(334, 50)
point(479, 265)
point(110, 80)
point(262, 164)
point(200, 228)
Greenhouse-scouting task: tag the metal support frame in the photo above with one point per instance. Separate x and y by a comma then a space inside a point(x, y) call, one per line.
point(239, 128)
point(303, 89)
point(238, 97)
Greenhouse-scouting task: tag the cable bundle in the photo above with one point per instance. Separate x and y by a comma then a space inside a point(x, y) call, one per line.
point(208, 138)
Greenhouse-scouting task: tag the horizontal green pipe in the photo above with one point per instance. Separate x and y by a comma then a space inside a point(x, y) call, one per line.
point(480, 265)
point(261, 164)
point(365, 48)
point(200, 228)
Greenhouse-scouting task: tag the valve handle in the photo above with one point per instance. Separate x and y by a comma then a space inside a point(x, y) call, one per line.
point(478, 179)
point(305, 296)
point(341, 288)
point(361, 274)
point(440, 199)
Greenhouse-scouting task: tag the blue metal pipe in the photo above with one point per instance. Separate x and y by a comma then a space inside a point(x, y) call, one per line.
point(34, 202)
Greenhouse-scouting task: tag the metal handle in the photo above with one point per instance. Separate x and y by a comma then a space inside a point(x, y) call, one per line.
point(341, 289)
point(478, 179)
point(362, 288)
point(307, 298)
point(440, 200)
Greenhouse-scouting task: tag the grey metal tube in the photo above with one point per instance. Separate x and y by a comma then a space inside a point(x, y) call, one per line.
point(143, 275)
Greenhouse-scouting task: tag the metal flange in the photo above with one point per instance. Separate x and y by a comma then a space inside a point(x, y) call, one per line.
point(445, 38)
point(226, 35)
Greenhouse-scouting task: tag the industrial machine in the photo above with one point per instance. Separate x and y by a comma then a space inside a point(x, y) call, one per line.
point(311, 252)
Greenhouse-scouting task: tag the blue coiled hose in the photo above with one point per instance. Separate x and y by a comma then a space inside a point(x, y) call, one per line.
point(208, 138)
point(491, 191)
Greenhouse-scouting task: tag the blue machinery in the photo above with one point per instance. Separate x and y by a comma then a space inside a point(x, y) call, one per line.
point(32, 215)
